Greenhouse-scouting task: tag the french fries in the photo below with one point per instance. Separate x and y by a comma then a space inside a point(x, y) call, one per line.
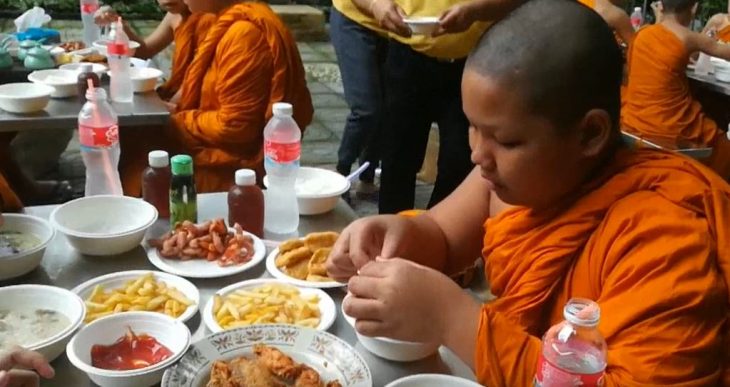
point(266, 304)
point(144, 294)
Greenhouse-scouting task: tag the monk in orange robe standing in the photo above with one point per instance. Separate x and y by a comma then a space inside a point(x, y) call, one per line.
point(658, 103)
point(559, 208)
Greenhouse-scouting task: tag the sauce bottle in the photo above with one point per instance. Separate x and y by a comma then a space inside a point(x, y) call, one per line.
point(156, 182)
point(86, 72)
point(183, 204)
point(246, 203)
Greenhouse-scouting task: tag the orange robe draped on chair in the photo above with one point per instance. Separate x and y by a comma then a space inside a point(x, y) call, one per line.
point(650, 242)
point(248, 61)
point(658, 101)
point(189, 35)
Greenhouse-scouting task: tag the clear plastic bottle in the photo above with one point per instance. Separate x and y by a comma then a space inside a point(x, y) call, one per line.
point(156, 182)
point(637, 18)
point(282, 148)
point(119, 70)
point(573, 351)
point(99, 138)
point(92, 32)
point(246, 203)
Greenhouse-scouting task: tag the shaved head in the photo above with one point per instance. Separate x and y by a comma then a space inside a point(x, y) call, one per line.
point(678, 6)
point(559, 56)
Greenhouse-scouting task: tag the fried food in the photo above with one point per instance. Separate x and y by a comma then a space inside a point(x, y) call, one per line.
point(93, 58)
point(266, 304)
point(305, 258)
point(73, 45)
point(269, 368)
point(145, 294)
point(210, 240)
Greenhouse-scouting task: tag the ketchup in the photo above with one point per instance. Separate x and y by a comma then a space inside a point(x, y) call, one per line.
point(246, 203)
point(130, 352)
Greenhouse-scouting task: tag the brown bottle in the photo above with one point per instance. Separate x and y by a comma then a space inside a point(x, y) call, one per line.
point(85, 73)
point(156, 182)
point(246, 203)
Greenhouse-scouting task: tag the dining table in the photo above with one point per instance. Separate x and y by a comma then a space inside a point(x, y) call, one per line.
point(64, 267)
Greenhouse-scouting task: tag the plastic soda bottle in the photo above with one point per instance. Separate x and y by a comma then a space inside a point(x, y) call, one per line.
point(99, 138)
point(119, 70)
point(282, 148)
point(92, 32)
point(637, 19)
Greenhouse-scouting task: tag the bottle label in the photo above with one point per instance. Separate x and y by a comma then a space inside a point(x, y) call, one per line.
point(548, 375)
point(89, 8)
point(115, 48)
point(282, 153)
point(98, 137)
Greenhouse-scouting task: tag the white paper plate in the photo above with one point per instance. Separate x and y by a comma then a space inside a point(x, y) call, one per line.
point(201, 268)
point(274, 271)
point(117, 280)
point(330, 356)
point(327, 308)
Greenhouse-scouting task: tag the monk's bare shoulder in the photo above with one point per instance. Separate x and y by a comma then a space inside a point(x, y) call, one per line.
point(172, 20)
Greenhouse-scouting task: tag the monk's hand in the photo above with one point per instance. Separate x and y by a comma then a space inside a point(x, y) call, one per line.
point(458, 18)
point(403, 300)
point(365, 239)
point(171, 107)
point(176, 98)
point(17, 367)
point(105, 15)
point(390, 16)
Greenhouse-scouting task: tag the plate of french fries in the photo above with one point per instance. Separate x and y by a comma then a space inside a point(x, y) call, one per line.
point(139, 291)
point(301, 261)
point(268, 301)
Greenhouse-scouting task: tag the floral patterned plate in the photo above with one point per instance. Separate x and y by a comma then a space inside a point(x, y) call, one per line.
point(330, 356)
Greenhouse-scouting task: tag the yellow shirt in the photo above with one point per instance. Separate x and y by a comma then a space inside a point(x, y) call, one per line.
point(449, 46)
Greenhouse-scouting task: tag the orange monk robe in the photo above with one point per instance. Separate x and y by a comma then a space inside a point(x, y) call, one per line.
point(650, 242)
point(724, 34)
point(248, 61)
point(189, 35)
point(9, 200)
point(658, 102)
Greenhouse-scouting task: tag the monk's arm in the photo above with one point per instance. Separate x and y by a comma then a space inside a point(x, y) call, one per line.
point(157, 41)
point(621, 23)
point(708, 45)
point(243, 86)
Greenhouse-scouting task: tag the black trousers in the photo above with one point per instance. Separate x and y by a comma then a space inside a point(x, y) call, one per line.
point(421, 90)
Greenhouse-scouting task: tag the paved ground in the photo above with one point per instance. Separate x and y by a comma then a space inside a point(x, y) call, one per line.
point(322, 138)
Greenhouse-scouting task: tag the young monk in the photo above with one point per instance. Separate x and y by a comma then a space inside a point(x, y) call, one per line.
point(247, 62)
point(559, 208)
point(179, 26)
point(658, 103)
point(720, 25)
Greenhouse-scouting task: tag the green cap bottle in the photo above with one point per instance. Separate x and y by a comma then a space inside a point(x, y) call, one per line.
point(182, 165)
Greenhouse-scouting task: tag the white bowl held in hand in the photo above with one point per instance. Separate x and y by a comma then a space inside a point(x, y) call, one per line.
point(26, 260)
point(318, 190)
point(24, 97)
point(432, 380)
point(44, 297)
point(171, 333)
point(63, 81)
point(105, 224)
point(422, 25)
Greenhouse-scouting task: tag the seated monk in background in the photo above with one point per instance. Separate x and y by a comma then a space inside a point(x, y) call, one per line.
point(179, 26)
point(658, 103)
point(720, 25)
point(559, 208)
point(247, 62)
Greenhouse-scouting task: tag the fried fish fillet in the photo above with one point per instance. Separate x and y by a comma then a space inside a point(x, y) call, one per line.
point(300, 270)
point(290, 245)
point(292, 257)
point(318, 240)
point(317, 262)
point(277, 362)
point(251, 373)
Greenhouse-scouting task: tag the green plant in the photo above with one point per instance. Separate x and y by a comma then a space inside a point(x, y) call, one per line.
point(135, 8)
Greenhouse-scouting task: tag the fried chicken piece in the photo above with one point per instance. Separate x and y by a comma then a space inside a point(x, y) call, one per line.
point(308, 378)
point(293, 257)
point(219, 375)
point(290, 245)
point(251, 373)
point(318, 240)
point(334, 383)
point(299, 271)
point(277, 362)
point(316, 263)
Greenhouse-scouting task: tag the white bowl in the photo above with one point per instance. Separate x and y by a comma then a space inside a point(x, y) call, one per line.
point(100, 46)
point(722, 74)
point(104, 225)
point(422, 25)
point(98, 68)
point(139, 63)
point(47, 297)
point(327, 308)
point(25, 261)
point(432, 380)
point(391, 349)
point(318, 190)
point(63, 81)
point(24, 97)
point(144, 79)
point(171, 333)
point(117, 280)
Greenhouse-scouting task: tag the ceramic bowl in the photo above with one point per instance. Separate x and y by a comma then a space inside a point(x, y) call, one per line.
point(25, 261)
point(63, 81)
point(432, 380)
point(100, 46)
point(318, 190)
point(98, 68)
point(143, 79)
point(24, 97)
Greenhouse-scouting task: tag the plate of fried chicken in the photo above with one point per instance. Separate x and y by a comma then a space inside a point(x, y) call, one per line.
point(270, 356)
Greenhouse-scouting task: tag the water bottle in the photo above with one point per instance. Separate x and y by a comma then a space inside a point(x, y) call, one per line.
point(282, 147)
point(637, 18)
point(573, 351)
point(99, 138)
point(119, 70)
point(92, 32)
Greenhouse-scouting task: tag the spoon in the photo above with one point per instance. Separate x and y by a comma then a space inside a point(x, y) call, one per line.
point(351, 177)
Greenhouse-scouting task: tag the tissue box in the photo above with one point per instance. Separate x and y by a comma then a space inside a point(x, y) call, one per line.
point(50, 35)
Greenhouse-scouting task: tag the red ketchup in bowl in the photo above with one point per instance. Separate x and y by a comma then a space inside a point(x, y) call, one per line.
point(130, 352)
